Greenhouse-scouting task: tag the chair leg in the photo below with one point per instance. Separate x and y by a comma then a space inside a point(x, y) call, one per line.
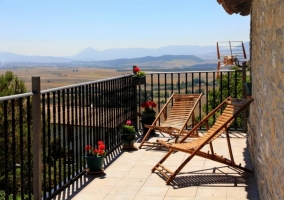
point(162, 160)
point(230, 147)
point(179, 168)
point(145, 137)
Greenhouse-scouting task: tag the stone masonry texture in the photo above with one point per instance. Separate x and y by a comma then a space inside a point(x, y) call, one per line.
point(266, 121)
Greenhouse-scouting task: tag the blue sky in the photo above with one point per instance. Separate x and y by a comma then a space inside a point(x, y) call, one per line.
point(65, 27)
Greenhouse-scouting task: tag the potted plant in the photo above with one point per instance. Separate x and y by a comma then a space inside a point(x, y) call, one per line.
point(148, 115)
point(139, 77)
point(128, 134)
point(95, 157)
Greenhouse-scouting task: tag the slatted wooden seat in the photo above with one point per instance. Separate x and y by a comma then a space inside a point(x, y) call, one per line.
point(179, 115)
point(233, 108)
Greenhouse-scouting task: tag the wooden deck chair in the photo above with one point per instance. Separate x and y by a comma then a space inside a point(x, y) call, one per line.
point(175, 123)
point(233, 108)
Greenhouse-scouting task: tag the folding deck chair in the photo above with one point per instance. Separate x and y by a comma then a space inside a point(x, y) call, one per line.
point(233, 108)
point(175, 123)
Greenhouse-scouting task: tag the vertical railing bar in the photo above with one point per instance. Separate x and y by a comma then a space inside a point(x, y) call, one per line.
point(206, 94)
point(91, 113)
point(103, 91)
point(214, 96)
point(71, 158)
point(235, 93)
point(64, 134)
point(236, 82)
point(192, 83)
point(59, 138)
point(115, 86)
point(6, 158)
point(107, 132)
point(44, 160)
point(13, 145)
point(29, 147)
point(172, 84)
point(48, 144)
point(186, 83)
point(100, 125)
point(93, 110)
point(152, 88)
point(159, 105)
point(68, 134)
point(228, 86)
point(109, 112)
point(21, 147)
point(120, 110)
point(86, 120)
point(54, 140)
point(106, 101)
point(244, 77)
point(77, 139)
point(105, 136)
point(166, 94)
point(81, 131)
point(36, 138)
point(98, 110)
point(178, 83)
point(199, 73)
point(221, 86)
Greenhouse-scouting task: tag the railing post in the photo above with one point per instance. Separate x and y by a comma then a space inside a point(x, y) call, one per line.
point(135, 101)
point(36, 124)
point(244, 76)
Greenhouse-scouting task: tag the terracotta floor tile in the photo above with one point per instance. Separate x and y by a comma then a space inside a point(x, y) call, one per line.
point(153, 191)
point(129, 177)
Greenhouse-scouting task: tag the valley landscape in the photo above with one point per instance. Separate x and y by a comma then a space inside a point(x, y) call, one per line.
point(86, 65)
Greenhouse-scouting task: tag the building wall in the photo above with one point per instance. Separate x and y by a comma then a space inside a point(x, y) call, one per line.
point(266, 122)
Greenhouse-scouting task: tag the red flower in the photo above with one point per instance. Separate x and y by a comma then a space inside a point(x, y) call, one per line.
point(145, 104)
point(154, 104)
point(102, 147)
point(100, 151)
point(148, 106)
point(136, 69)
point(88, 147)
point(128, 122)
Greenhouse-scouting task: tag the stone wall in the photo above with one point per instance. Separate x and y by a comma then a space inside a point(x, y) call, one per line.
point(266, 122)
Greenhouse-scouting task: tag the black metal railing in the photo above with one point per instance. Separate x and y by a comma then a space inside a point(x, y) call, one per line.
point(215, 86)
point(43, 133)
point(71, 117)
point(15, 147)
point(79, 115)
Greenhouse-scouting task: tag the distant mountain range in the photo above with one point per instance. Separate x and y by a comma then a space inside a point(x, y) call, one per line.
point(90, 54)
point(150, 61)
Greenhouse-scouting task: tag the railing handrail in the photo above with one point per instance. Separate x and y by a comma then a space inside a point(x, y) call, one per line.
point(179, 72)
point(16, 96)
point(82, 84)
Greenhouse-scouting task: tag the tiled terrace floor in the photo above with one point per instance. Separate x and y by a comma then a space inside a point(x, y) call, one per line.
point(128, 176)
